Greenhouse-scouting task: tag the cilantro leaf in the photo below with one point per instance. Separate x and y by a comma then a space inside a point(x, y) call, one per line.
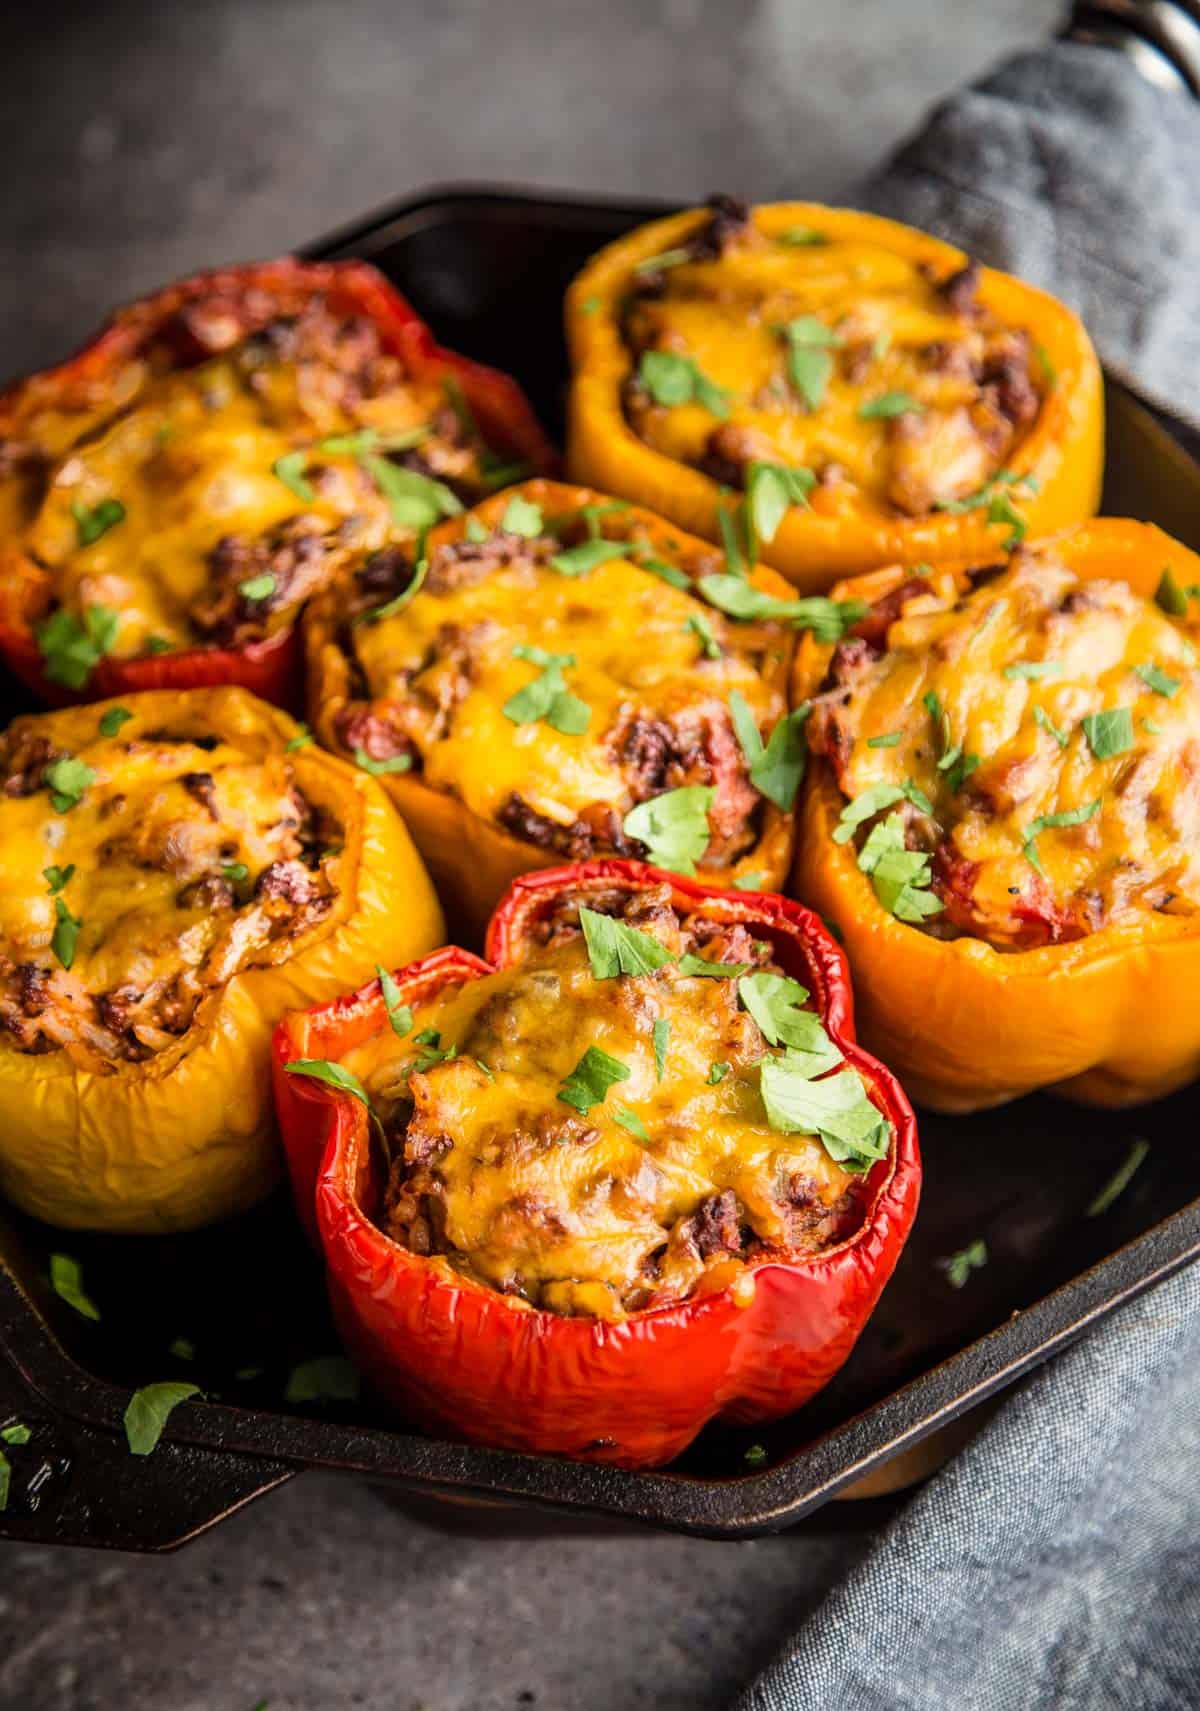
point(888, 404)
point(827, 619)
point(67, 779)
point(182, 1348)
point(702, 968)
point(669, 573)
point(290, 470)
point(257, 587)
point(1160, 681)
point(837, 1108)
point(716, 1074)
point(72, 649)
point(112, 720)
point(5, 1479)
point(521, 517)
point(18, 1433)
point(777, 772)
point(398, 1012)
point(1033, 669)
point(235, 872)
point(886, 740)
point(148, 1411)
point(333, 1075)
point(630, 1120)
point(66, 1280)
point(1119, 1181)
point(672, 379)
point(1170, 596)
point(809, 364)
point(326, 1378)
point(899, 876)
point(301, 740)
point(661, 1034)
point(1053, 822)
point(91, 523)
point(66, 933)
point(771, 490)
point(864, 807)
point(56, 877)
point(547, 698)
point(710, 647)
point(590, 1080)
point(1109, 732)
point(380, 768)
point(749, 881)
point(1002, 510)
point(415, 501)
point(801, 237)
point(406, 595)
point(577, 561)
point(674, 826)
point(475, 531)
point(614, 948)
point(775, 1001)
point(958, 1267)
point(1042, 718)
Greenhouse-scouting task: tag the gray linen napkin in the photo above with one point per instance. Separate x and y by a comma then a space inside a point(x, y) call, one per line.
point(1056, 1561)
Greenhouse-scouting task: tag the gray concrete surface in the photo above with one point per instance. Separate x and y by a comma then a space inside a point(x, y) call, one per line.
point(145, 139)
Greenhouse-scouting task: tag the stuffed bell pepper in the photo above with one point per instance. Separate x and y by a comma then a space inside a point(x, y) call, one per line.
point(176, 870)
point(629, 1175)
point(1002, 817)
point(171, 496)
point(845, 390)
point(566, 676)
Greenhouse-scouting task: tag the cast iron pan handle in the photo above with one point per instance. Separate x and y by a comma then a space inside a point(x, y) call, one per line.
point(77, 1484)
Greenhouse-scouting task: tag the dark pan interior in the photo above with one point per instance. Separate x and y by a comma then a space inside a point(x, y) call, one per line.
point(489, 271)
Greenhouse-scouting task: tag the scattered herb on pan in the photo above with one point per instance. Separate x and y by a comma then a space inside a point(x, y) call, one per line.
point(182, 1348)
point(57, 877)
point(157, 645)
point(407, 594)
point(1170, 596)
point(5, 1479)
point(590, 1080)
point(66, 932)
point(16, 1433)
point(776, 1002)
point(755, 1456)
point(959, 1266)
point(66, 1280)
point(325, 1378)
point(1119, 1181)
point(331, 1075)
point(148, 1411)
point(673, 827)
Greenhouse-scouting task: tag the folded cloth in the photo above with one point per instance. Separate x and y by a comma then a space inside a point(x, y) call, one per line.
point(1055, 1561)
point(1067, 167)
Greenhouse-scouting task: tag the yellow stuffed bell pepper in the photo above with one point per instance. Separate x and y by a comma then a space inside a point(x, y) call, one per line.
point(176, 870)
point(1002, 818)
point(852, 391)
point(567, 677)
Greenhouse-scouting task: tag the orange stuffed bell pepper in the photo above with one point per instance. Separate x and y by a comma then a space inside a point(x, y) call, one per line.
point(171, 496)
point(849, 390)
point(175, 871)
point(1002, 818)
point(634, 1174)
point(564, 676)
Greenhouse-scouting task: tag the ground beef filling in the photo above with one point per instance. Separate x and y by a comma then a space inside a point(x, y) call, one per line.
point(206, 864)
point(570, 1210)
point(897, 333)
point(1051, 728)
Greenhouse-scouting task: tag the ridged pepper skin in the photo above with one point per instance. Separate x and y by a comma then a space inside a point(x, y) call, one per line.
point(273, 668)
point(188, 1135)
point(1063, 451)
point(472, 1363)
point(473, 860)
point(1108, 1019)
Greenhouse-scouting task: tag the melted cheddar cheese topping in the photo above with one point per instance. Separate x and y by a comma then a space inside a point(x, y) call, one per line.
point(204, 504)
point(897, 391)
point(140, 872)
point(649, 667)
point(1051, 727)
point(673, 1180)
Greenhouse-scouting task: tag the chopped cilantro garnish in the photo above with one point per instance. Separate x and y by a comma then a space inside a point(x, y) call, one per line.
point(56, 877)
point(873, 801)
point(701, 968)
point(594, 515)
point(756, 1455)
point(731, 540)
point(91, 523)
point(958, 1267)
point(399, 1014)
point(614, 948)
point(577, 561)
point(668, 258)
point(416, 501)
point(290, 470)
point(380, 768)
point(1170, 596)
point(428, 1037)
point(1151, 727)
point(837, 1108)
point(257, 587)
point(674, 826)
point(771, 489)
point(775, 1001)
point(1054, 822)
point(1033, 669)
point(716, 1074)
point(72, 650)
point(661, 1035)
point(521, 517)
point(157, 645)
point(475, 531)
point(886, 740)
point(1155, 678)
point(66, 1280)
point(801, 237)
point(630, 1120)
point(300, 741)
point(672, 379)
point(332, 1075)
point(406, 595)
point(888, 404)
point(547, 697)
point(67, 779)
point(710, 647)
point(669, 573)
point(899, 876)
point(775, 768)
point(590, 305)
point(112, 720)
point(182, 1348)
point(1119, 1181)
point(1002, 510)
point(1042, 718)
point(809, 363)
point(235, 872)
point(827, 619)
point(590, 1080)
point(1109, 732)
point(148, 1411)
point(17, 1434)
point(1049, 372)
point(749, 881)
point(5, 1479)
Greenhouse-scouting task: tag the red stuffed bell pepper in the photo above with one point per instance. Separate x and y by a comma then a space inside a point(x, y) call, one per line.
point(171, 495)
point(636, 1174)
